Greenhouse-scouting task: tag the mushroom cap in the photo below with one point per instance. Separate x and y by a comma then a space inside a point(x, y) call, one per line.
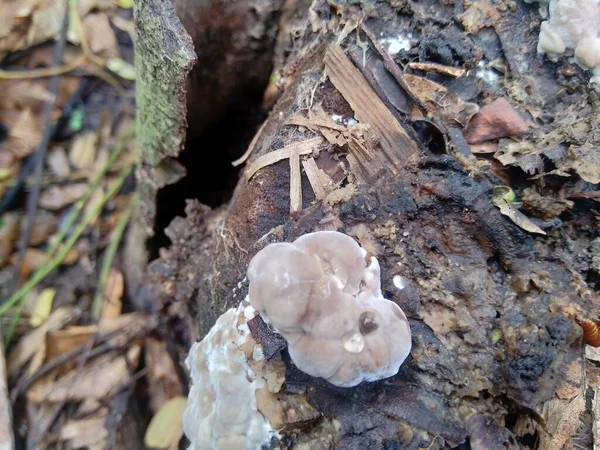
point(319, 293)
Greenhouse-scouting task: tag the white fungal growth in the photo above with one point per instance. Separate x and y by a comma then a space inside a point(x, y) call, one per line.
point(221, 413)
point(323, 299)
point(573, 25)
point(396, 44)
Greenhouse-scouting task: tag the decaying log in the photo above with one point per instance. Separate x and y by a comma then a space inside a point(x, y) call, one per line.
point(491, 306)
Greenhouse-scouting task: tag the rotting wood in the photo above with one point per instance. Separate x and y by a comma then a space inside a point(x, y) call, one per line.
point(392, 67)
point(395, 143)
point(446, 70)
point(302, 148)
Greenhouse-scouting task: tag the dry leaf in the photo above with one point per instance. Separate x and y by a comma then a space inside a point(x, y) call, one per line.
point(57, 197)
point(585, 160)
point(59, 342)
point(16, 95)
point(32, 260)
point(43, 307)
point(7, 441)
point(85, 433)
point(33, 22)
point(44, 224)
point(562, 421)
point(546, 206)
point(166, 427)
point(439, 102)
point(113, 294)
point(478, 15)
point(570, 384)
point(83, 150)
point(100, 36)
point(493, 121)
point(24, 136)
point(510, 211)
point(114, 368)
point(58, 162)
point(34, 342)
point(9, 233)
point(162, 373)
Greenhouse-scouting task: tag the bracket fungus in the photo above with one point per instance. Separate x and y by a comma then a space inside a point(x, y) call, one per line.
point(223, 410)
point(573, 24)
point(322, 297)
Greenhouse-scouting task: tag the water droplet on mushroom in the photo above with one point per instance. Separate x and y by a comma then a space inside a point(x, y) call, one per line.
point(399, 282)
point(355, 343)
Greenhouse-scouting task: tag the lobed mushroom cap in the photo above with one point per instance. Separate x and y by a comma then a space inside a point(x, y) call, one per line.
point(327, 303)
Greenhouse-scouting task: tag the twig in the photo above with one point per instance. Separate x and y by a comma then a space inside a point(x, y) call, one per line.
point(45, 269)
point(32, 200)
point(24, 383)
point(41, 73)
point(109, 256)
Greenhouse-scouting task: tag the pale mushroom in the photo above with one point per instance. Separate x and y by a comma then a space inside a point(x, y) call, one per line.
point(319, 293)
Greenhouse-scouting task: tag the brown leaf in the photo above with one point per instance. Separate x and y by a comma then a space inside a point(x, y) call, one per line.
point(58, 162)
point(486, 434)
point(7, 441)
point(562, 421)
point(9, 233)
point(90, 433)
point(493, 121)
point(24, 136)
point(34, 342)
point(57, 197)
point(33, 22)
point(113, 294)
point(59, 342)
point(98, 379)
point(585, 160)
point(18, 95)
point(478, 15)
point(44, 224)
point(162, 373)
point(83, 150)
point(438, 101)
point(32, 260)
point(546, 206)
point(100, 36)
point(570, 384)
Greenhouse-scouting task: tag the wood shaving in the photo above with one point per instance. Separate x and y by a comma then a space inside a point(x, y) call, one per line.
point(427, 67)
point(302, 148)
point(242, 159)
point(319, 181)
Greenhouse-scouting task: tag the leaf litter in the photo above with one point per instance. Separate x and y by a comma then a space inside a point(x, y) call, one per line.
point(57, 348)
